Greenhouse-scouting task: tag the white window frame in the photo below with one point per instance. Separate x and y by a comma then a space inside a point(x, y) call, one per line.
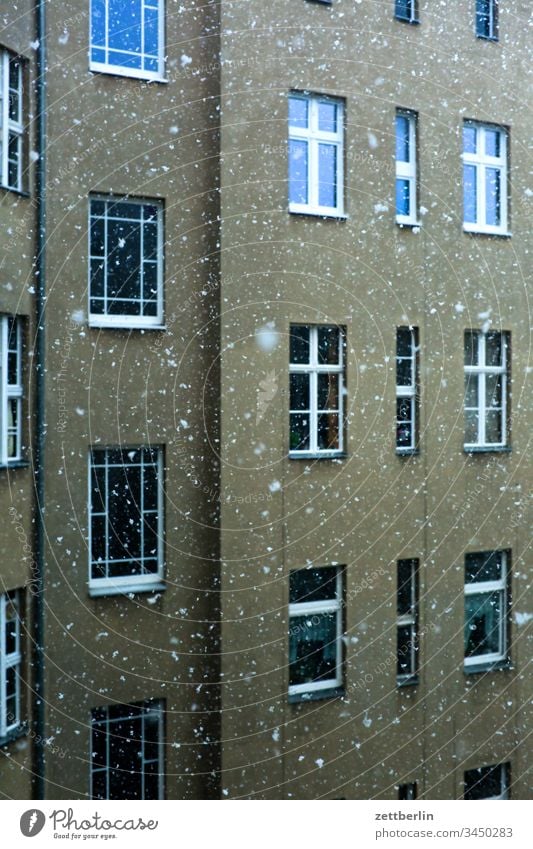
point(313, 368)
point(314, 137)
point(504, 782)
point(154, 708)
point(486, 588)
point(410, 620)
point(129, 583)
point(9, 661)
point(8, 126)
point(127, 321)
point(316, 607)
point(480, 371)
point(410, 392)
point(10, 393)
point(408, 170)
point(413, 13)
point(481, 162)
point(121, 70)
point(493, 21)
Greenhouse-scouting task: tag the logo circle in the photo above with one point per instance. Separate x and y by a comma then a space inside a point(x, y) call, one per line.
point(32, 822)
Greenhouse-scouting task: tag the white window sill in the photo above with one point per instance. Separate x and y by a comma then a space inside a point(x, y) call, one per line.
point(482, 449)
point(318, 212)
point(317, 455)
point(407, 222)
point(310, 693)
point(127, 325)
point(111, 588)
point(121, 71)
point(486, 231)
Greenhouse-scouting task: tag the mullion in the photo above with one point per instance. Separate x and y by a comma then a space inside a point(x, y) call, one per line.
point(3, 666)
point(5, 116)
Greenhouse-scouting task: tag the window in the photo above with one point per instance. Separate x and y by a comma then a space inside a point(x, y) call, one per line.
point(315, 630)
point(484, 178)
point(487, 19)
point(488, 782)
point(11, 126)
point(407, 791)
point(316, 390)
point(126, 511)
point(406, 187)
point(126, 263)
point(126, 751)
point(406, 10)
point(316, 167)
point(127, 37)
point(10, 660)
point(485, 608)
point(10, 390)
point(486, 389)
point(406, 389)
point(407, 623)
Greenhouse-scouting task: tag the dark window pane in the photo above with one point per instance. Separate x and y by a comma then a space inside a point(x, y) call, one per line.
point(299, 344)
point(485, 566)
point(471, 390)
point(299, 432)
point(328, 391)
point(493, 348)
point(483, 620)
point(312, 648)
point(328, 345)
point(406, 587)
point(150, 240)
point(97, 236)
point(328, 431)
point(299, 391)
point(471, 348)
point(485, 782)
point(405, 645)
point(307, 585)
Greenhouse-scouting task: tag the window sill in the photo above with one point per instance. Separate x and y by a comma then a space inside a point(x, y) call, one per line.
point(480, 231)
point(414, 21)
point(19, 192)
point(407, 452)
point(407, 681)
point(330, 215)
point(487, 449)
point(408, 225)
point(309, 455)
point(125, 589)
point(14, 734)
point(105, 325)
point(316, 695)
point(491, 666)
point(131, 73)
point(494, 38)
point(16, 464)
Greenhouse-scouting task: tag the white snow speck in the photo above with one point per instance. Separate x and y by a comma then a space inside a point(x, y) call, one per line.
point(267, 337)
point(275, 486)
point(185, 60)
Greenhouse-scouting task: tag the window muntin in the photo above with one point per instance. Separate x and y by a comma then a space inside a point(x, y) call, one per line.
point(10, 390)
point(406, 389)
point(126, 262)
point(487, 782)
point(406, 170)
point(10, 661)
point(316, 153)
point(408, 791)
point(486, 391)
point(484, 178)
point(407, 621)
point(11, 121)
point(406, 10)
point(485, 607)
point(316, 375)
point(315, 629)
point(127, 37)
point(126, 515)
point(487, 19)
point(127, 751)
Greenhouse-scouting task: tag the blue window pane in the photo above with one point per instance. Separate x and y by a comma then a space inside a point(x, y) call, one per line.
point(327, 117)
point(492, 142)
point(469, 139)
point(98, 55)
point(402, 138)
point(298, 112)
point(125, 25)
point(492, 191)
point(298, 165)
point(151, 65)
point(98, 23)
point(405, 9)
point(403, 206)
point(125, 60)
point(151, 31)
point(327, 175)
point(469, 193)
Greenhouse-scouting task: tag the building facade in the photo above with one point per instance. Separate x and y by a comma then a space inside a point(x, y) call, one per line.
point(265, 341)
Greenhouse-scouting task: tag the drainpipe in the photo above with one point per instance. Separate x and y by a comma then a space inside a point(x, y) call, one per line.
point(40, 371)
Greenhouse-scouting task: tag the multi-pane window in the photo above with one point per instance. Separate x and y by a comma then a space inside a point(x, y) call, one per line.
point(315, 630)
point(10, 660)
point(408, 791)
point(127, 751)
point(126, 514)
point(484, 178)
point(11, 120)
point(406, 389)
point(486, 616)
point(126, 263)
point(486, 367)
point(10, 390)
point(316, 390)
point(406, 179)
point(316, 167)
point(406, 10)
point(407, 622)
point(487, 19)
point(488, 782)
point(127, 37)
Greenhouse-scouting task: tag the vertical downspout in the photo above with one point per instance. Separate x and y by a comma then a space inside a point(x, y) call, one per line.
point(40, 371)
